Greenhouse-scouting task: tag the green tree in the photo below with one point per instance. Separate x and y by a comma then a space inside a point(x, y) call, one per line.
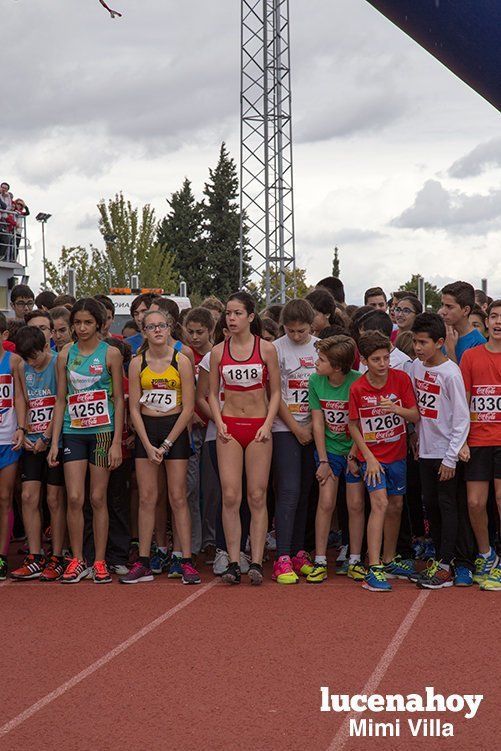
point(301, 286)
point(335, 263)
point(132, 247)
point(91, 269)
point(221, 226)
point(432, 292)
point(180, 232)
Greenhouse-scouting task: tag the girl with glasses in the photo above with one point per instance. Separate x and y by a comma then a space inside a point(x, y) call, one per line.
point(405, 312)
point(161, 398)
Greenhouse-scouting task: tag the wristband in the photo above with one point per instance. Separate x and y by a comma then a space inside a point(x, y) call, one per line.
point(324, 461)
point(44, 439)
point(23, 429)
point(166, 445)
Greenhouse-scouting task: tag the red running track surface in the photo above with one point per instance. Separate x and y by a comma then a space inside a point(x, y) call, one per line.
point(236, 667)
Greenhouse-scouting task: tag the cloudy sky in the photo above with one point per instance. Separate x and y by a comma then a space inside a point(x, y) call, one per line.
point(396, 161)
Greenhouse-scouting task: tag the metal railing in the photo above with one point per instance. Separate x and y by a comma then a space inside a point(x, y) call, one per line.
point(13, 238)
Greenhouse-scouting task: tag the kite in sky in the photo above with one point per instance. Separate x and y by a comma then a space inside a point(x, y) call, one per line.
point(112, 13)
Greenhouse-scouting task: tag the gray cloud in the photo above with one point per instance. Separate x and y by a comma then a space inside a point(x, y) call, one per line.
point(480, 159)
point(437, 208)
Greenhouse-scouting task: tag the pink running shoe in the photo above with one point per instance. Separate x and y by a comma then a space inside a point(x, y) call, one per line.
point(190, 574)
point(283, 573)
point(302, 563)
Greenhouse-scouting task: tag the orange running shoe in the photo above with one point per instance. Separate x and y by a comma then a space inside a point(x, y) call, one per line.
point(100, 573)
point(75, 571)
point(31, 569)
point(53, 570)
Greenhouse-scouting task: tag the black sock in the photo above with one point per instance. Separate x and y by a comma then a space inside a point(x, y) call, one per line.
point(186, 560)
point(144, 560)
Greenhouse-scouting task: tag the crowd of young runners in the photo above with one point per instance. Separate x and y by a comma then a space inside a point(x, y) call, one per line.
point(225, 436)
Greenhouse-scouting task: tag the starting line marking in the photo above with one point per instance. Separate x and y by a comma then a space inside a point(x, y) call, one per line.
point(104, 660)
point(343, 734)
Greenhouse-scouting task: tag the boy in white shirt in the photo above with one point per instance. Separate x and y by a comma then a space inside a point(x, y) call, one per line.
point(442, 431)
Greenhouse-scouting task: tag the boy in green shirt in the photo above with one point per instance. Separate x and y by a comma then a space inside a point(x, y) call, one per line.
point(329, 390)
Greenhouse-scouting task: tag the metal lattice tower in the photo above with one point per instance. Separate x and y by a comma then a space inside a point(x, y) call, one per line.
point(266, 167)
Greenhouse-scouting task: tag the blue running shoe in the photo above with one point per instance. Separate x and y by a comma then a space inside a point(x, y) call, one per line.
point(175, 568)
point(375, 580)
point(484, 565)
point(159, 562)
point(463, 577)
point(342, 570)
point(429, 550)
point(400, 568)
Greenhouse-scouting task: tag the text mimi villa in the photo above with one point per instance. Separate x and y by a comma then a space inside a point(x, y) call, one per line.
point(431, 702)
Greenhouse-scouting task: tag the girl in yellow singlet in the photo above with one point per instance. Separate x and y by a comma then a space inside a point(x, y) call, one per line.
point(161, 398)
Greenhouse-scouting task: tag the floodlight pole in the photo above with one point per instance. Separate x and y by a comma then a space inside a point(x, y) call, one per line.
point(43, 218)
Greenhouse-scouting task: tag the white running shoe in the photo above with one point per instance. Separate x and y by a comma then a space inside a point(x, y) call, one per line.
point(221, 562)
point(271, 542)
point(343, 550)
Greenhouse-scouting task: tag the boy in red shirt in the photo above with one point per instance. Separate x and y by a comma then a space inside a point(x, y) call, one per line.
point(481, 369)
point(382, 401)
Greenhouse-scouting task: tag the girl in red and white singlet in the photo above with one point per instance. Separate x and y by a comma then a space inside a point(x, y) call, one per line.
point(247, 367)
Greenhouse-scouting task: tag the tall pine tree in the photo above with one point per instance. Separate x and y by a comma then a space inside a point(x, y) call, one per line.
point(180, 233)
point(221, 223)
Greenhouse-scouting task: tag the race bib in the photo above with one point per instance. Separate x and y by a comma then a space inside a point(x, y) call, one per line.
point(40, 413)
point(380, 426)
point(248, 376)
point(6, 391)
point(335, 416)
point(428, 398)
point(161, 400)
point(485, 404)
point(88, 409)
point(297, 395)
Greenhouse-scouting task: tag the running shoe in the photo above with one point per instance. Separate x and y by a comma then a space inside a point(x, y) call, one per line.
point(100, 573)
point(255, 574)
point(399, 568)
point(356, 571)
point(283, 573)
point(232, 574)
point(4, 569)
point(271, 541)
point(343, 554)
point(47, 535)
point(463, 576)
point(302, 564)
point(318, 574)
point(429, 549)
point(54, 569)
point(245, 562)
point(419, 548)
point(435, 577)
point(190, 574)
point(335, 539)
point(175, 570)
point(75, 571)
point(119, 569)
point(375, 580)
point(159, 561)
point(31, 569)
point(492, 582)
point(483, 566)
point(343, 569)
point(221, 562)
point(138, 573)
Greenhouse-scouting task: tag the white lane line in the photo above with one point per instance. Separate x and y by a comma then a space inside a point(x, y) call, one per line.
point(104, 660)
point(343, 734)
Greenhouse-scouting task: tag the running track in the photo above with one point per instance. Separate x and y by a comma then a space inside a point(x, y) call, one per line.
point(161, 665)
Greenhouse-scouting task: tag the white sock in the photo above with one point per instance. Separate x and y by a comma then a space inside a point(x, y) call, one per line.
point(445, 566)
point(354, 559)
point(177, 553)
point(162, 550)
point(321, 559)
point(486, 555)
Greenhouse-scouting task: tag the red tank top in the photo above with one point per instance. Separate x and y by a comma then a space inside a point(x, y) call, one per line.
point(243, 375)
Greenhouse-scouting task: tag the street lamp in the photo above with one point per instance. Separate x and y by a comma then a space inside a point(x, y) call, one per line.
point(43, 219)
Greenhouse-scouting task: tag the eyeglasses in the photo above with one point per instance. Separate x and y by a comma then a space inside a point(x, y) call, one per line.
point(24, 303)
point(154, 326)
point(405, 311)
